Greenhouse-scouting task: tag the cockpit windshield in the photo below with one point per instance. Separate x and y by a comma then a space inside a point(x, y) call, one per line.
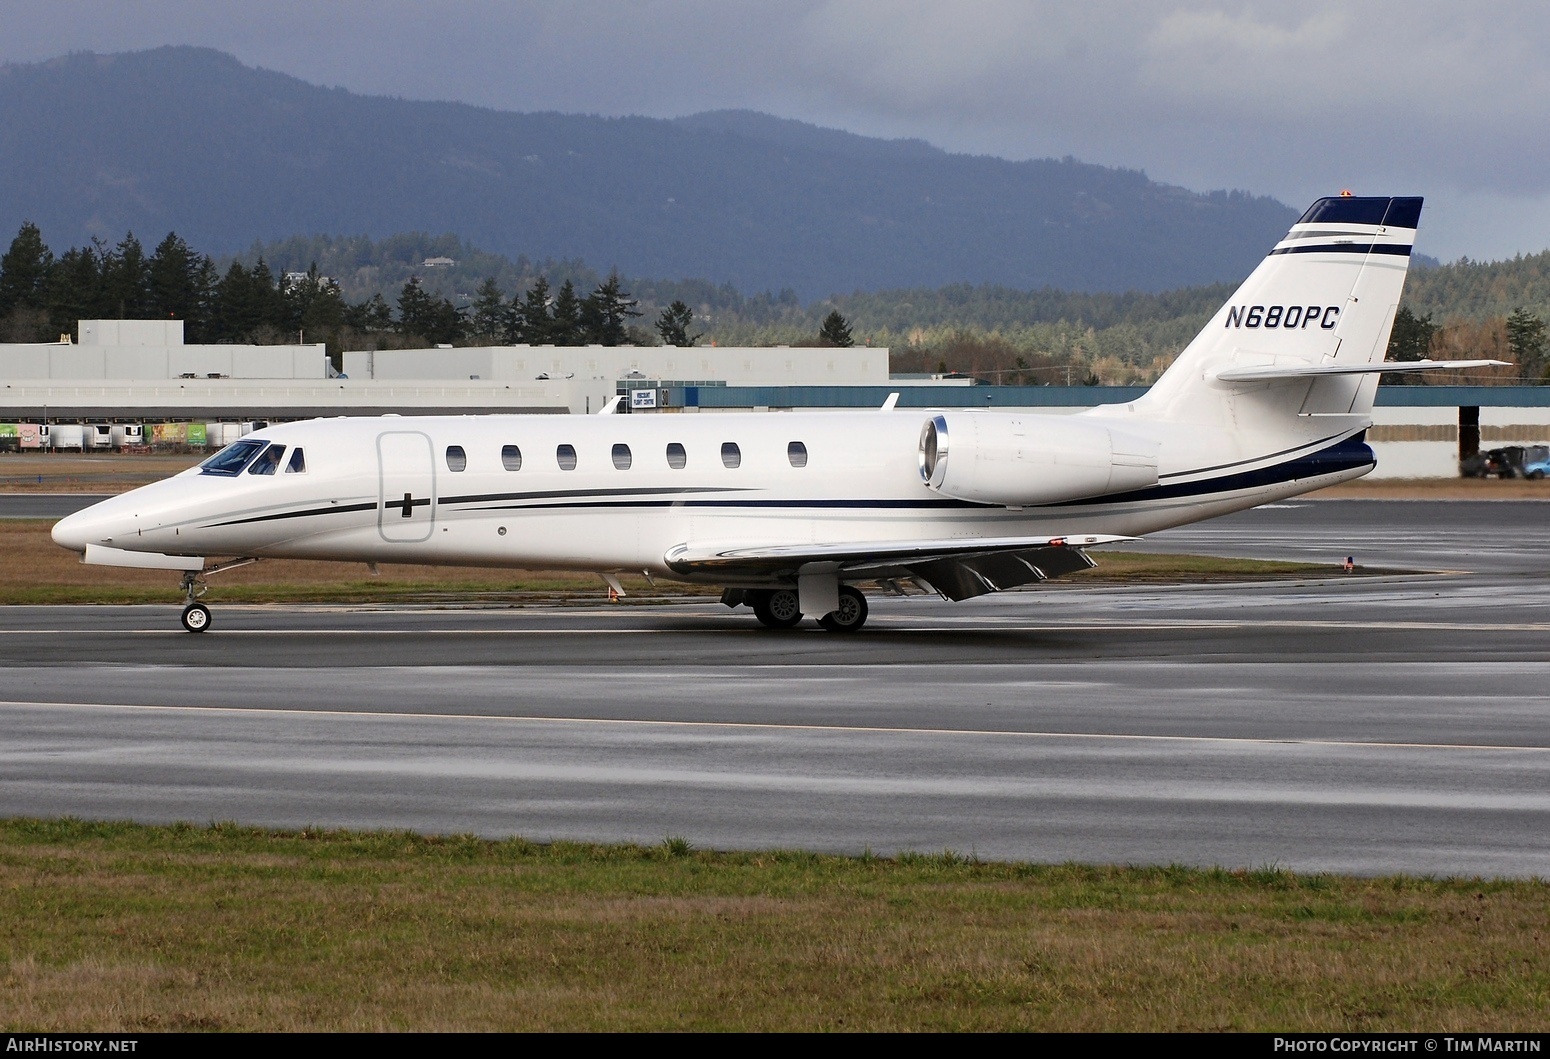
point(268, 461)
point(230, 460)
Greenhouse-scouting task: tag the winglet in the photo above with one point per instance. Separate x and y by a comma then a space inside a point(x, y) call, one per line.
point(612, 406)
point(891, 403)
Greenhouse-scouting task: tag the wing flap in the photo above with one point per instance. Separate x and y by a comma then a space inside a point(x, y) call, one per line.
point(696, 557)
point(956, 568)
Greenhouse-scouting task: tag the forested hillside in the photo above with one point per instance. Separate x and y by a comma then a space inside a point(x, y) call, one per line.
point(190, 140)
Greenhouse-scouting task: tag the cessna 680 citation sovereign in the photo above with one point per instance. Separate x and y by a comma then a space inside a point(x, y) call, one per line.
point(788, 512)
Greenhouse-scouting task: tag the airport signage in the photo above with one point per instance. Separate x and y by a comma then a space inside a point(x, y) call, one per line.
point(643, 398)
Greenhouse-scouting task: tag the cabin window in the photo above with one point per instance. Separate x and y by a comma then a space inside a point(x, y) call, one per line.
point(511, 457)
point(457, 459)
point(796, 452)
point(232, 458)
point(677, 458)
point(565, 455)
point(621, 457)
point(731, 455)
point(298, 464)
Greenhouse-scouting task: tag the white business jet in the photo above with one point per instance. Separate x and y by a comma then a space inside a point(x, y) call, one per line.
point(789, 512)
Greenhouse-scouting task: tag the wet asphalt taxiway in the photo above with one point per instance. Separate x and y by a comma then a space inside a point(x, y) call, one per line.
point(1389, 723)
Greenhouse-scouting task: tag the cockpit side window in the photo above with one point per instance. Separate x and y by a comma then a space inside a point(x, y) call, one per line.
point(231, 459)
point(298, 464)
point(268, 461)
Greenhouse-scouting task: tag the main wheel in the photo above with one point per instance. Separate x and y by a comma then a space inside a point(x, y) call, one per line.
point(780, 609)
point(196, 617)
point(851, 614)
point(1536, 475)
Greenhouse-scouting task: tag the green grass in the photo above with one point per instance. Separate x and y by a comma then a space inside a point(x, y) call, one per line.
point(118, 927)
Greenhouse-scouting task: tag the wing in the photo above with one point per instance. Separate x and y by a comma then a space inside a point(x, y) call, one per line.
point(956, 568)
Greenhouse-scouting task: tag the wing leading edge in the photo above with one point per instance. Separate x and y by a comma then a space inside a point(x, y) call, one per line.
point(955, 568)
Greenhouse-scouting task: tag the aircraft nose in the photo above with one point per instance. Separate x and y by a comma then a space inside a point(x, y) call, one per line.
point(74, 531)
point(93, 525)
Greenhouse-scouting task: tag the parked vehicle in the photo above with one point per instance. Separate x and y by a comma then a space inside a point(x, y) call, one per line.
point(1510, 461)
point(128, 435)
point(67, 436)
point(1536, 461)
point(99, 436)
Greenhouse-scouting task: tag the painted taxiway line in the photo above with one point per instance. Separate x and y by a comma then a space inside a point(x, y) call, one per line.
point(907, 626)
point(239, 711)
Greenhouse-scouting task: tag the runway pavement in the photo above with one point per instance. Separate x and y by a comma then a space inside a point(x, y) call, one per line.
point(46, 505)
point(1378, 724)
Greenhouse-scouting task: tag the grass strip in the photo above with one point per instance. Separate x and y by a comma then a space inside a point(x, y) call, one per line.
point(122, 927)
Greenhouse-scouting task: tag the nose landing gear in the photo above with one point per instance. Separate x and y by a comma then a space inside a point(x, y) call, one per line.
point(196, 616)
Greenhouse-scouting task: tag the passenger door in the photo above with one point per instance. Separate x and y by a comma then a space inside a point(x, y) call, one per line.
point(406, 499)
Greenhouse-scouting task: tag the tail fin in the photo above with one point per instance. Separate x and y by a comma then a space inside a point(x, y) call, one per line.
point(1325, 297)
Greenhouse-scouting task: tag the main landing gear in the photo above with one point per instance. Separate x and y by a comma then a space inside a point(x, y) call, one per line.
point(780, 608)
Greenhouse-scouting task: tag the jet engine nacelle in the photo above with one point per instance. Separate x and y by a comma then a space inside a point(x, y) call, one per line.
point(1025, 460)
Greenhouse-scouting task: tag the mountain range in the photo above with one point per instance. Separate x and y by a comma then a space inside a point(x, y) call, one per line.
point(191, 140)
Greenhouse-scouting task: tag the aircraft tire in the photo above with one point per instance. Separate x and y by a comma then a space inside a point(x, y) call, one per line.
point(850, 616)
point(196, 617)
point(779, 609)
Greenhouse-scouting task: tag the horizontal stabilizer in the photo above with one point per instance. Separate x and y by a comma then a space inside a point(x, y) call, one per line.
point(97, 555)
point(1315, 371)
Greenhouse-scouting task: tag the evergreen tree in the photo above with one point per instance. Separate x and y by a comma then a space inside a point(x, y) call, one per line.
point(605, 313)
point(1410, 340)
point(246, 302)
point(434, 319)
point(491, 321)
point(565, 324)
point(126, 280)
point(75, 289)
point(1526, 338)
point(315, 307)
point(534, 324)
point(173, 278)
point(674, 323)
point(206, 282)
point(835, 331)
point(373, 314)
point(24, 270)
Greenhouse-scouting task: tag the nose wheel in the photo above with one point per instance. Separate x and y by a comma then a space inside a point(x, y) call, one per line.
point(196, 617)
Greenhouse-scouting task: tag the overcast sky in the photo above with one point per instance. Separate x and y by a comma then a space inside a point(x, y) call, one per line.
point(1295, 100)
